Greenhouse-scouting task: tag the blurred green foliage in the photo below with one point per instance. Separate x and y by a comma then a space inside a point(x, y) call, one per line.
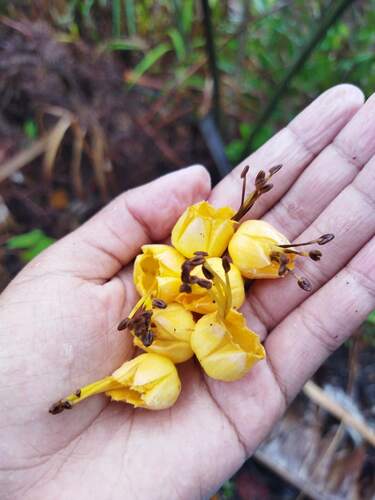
point(256, 43)
point(29, 244)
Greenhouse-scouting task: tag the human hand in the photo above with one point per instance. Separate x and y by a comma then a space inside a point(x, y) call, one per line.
point(57, 322)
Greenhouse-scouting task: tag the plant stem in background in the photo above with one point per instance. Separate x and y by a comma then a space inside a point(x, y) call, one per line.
point(116, 18)
point(334, 13)
point(131, 25)
point(212, 61)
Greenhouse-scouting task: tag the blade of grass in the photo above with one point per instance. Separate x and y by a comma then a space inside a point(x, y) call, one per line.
point(130, 17)
point(149, 60)
point(116, 18)
point(178, 43)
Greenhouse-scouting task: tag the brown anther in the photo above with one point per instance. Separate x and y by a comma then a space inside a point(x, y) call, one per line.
point(207, 273)
point(185, 275)
point(284, 259)
point(148, 338)
point(204, 284)
point(159, 303)
point(260, 178)
point(245, 171)
point(273, 170)
point(78, 393)
point(185, 288)
point(123, 324)
point(243, 177)
point(201, 254)
point(305, 284)
point(265, 188)
point(225, 261)
point(325, 238)
point(57, 408)
point(275, 256)
point(197, 261)
point(315, 255)
point(282, 269)
point(147, 315)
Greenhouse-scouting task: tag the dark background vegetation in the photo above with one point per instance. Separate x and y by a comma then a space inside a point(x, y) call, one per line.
point(97, 96)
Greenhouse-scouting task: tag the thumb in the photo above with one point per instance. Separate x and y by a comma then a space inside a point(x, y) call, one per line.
point(112, 238)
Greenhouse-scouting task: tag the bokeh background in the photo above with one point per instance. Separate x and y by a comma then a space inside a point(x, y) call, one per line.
point(98, 96)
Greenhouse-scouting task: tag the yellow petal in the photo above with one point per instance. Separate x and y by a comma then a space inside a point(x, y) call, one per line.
point(251, 246)
point(226, 349)
point(203, 227)
point(172, 328)
point(157, 270)
point(149, 381)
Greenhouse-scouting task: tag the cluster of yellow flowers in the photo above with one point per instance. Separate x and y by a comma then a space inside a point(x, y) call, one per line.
point(191, 293)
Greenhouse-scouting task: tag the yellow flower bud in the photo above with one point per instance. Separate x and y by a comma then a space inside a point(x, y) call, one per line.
point(200, 300)
point(254, 250)
point(226, 348)
point(158, 270)
point(172, 328)
point(203, 228)
point(148, 381)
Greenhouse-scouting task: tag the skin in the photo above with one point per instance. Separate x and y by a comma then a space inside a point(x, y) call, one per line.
point(58, 317)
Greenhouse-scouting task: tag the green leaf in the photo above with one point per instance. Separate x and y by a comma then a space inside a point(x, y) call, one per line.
point(31, 129)
point(31, 244)
point(42, 244)
point(26, 240)
point(187, 15)
point(126, 44)
point(149, 60)
point(371, 318)
point(178, 43)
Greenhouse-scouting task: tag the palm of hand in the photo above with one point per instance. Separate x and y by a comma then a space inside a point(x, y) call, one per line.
point(58, 319)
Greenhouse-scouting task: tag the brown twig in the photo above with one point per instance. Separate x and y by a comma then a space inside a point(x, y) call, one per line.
point(318, 396)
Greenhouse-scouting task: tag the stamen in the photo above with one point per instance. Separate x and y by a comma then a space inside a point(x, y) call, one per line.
point(326, 238)
point(284, 261)
point(261, 187)
point(302, 282)
point(260, 178)
point(243, 176)
point(226, 263)
point(265, 188)
point(207, 273)
point(322, 240)
point(315, 255)
point(305, 284)
point(185, 288)
point(148, 338)
point(123, 324)
point(204, 283)
point(159, 303)
point(103, 385)
point(273, 170)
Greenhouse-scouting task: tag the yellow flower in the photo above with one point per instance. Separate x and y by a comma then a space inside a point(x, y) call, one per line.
point(225, 347)
point(200, 300)
point(147, 381)
point(255, 250)
point(171, 328)
point(158, 271)
point(203, 228)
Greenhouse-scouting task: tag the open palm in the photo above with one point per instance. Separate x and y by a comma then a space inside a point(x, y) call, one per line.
point(57, 323)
